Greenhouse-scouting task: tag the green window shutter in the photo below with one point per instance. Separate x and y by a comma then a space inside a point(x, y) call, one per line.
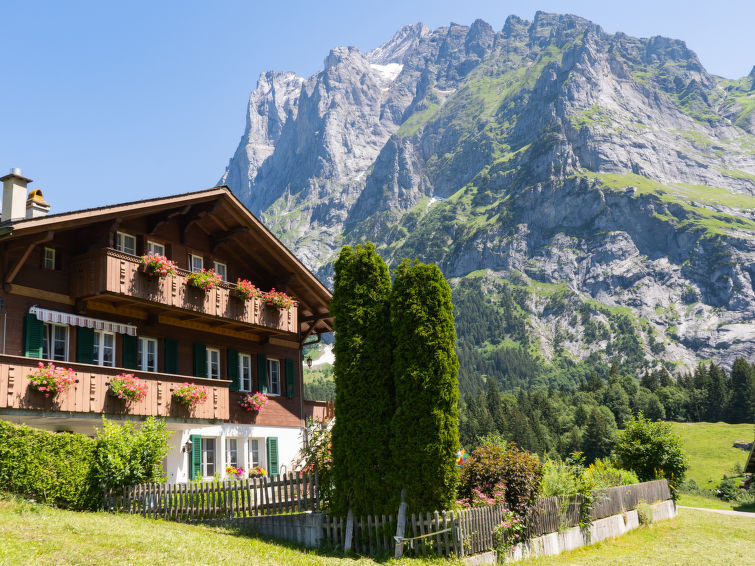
point(170, 347)
point(130, 346)
point(200, 360)
point(85, 345)
point(233, 368)
point(262, 373)
point(196, 456)
point(290, 388)
point(272, 456)
point(33, 331)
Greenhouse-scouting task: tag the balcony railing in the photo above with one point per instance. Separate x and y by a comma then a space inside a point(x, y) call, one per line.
point(110, 271)
point(90, 393)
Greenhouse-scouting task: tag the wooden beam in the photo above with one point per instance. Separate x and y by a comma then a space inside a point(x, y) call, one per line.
point(24, 256)
point(154, 221)
point(211, 328)
point(226, 237)
point(108, 307)
point(38, 294)
point(283, 343)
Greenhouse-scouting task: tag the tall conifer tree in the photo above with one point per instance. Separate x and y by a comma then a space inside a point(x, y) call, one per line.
point(364, 382)
point(425, 368)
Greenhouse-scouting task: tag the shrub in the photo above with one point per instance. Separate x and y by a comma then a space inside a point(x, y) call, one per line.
point(520, 471)
point(604, 473)
point(125, 455)
point(728, 490)
point(479, 499)
point(49, 467)
point(652, 451)
point(558, 479)
point(51, 379)
point(510, 531)
point(128, 387)
point(644, 513)
point(317, 456)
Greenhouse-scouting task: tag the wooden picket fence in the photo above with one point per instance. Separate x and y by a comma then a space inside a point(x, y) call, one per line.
point(207, 501)
point(470, 531)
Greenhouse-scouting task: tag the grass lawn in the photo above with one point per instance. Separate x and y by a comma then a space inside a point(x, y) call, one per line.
point(691, 500)
point(710, 449)
point(694, 537)
point(37, 534)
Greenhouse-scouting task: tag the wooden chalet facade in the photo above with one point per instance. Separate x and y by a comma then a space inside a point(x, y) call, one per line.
point(74, 293)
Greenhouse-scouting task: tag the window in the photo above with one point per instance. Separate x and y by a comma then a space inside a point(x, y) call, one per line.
point(125, 243)
point(222, 270)
point(208, 457)
point(146, 356)
point(274, 377)
point(49, 258)
point(196, 263)
point(55, 342)
point(155, 248)
point(254, 453)
point(231, 452)
point(104, 348)
point(213, 363)
point(245, 372)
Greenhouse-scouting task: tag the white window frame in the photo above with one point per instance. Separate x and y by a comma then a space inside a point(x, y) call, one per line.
point(142, 354)
point(200, 259)
point(245, 372)
point(48, 337)
point(48, 258)
point(213, 366)
point(99, 345)
point(229, 459)
point(155, 248)
point(259, 451)
point(206, 463)
point(120, 243)
point(273, 363)
point(218, 264)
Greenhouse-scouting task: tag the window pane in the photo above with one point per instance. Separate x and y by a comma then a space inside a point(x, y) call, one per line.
point(254, 452)
point(231, 452)
point(155, 248)
point(222, 270)
point(208, 456)
point(273, 370)
point(213, 363)
point(46, 342)
point(197, 262)
point(60, 343)
point(49, 258)
point(245, 369)
point(108, 349)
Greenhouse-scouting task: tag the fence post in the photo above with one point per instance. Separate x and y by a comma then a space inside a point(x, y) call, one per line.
point(400, 528)
point(349, 530)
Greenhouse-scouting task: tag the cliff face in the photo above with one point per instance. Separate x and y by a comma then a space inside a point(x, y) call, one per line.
point(608, 180)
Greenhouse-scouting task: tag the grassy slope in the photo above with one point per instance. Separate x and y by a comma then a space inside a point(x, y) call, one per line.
point(36, 534)
point(694, 537)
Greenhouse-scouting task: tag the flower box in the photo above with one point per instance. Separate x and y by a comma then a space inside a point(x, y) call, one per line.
point(205, 279)
point(127, 388)
point(156, 265)
point(245, 290)
point(51, 379)
point(253, 402)
point(190, 395)
point(277, 299)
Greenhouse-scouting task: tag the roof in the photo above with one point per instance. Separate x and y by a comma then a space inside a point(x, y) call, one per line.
point(309, 290)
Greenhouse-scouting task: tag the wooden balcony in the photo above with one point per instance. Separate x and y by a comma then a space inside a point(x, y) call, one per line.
point(90, 393)
point(109, 272)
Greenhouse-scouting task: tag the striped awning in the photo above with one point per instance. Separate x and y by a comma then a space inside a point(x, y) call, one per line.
point(77, 320)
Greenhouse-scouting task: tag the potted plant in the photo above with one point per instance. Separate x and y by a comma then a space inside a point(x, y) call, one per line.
point(234, 472)
point(257, 472)
point(51, 379)
point(128, 388)
point(204, 279)
point(253, 402)
point(158, 265)
point(246, 290)
point(190, 394)
point(277, 299)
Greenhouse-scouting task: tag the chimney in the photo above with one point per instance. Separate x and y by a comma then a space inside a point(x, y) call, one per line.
point(36, 205)
point(14, 195)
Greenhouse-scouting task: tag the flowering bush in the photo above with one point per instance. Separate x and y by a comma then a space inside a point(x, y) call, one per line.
point(257, 472)
point(190, 394)
point(50, 379)
point(277, 299)
point(253, 401)
point(246, 290)
point(158, 265)
point(510, 531)
point(234, 472)
point(480, 499)
point(205, 279)
point(128, 387)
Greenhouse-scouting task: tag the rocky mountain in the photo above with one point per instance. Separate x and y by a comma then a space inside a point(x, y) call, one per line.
point(592, 192)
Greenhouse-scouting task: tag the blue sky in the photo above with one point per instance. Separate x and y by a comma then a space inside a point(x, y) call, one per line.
point(104, 101)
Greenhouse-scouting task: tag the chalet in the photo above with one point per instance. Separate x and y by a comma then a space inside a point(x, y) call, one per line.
point(75, 293)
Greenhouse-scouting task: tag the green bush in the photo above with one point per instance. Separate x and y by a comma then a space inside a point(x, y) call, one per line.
point(604, 473)
point(652, 451)
point(125, 455)
point(644, 513)
point(53, 468)
point(520, 471)
point(558, 479)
